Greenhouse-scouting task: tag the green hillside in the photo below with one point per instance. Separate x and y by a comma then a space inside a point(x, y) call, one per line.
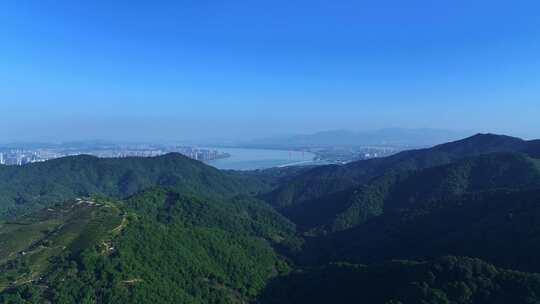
point(501, 227)
point(328, 180)
point(172, 248)
point(28, 244)
point(446, 280)
point(36, 185)
point(403, 190)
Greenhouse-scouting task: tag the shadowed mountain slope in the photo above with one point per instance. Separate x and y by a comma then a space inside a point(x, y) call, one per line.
point(444, 280)
point(404, 189)
point(327, 180)
point(501, 227)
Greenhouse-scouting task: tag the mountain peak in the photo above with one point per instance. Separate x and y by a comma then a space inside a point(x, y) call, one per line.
point(492, 136)
point(485, 143)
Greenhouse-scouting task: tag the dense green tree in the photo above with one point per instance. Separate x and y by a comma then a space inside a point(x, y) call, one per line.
point(446, 280)
point(406, 189)
point(35, 185)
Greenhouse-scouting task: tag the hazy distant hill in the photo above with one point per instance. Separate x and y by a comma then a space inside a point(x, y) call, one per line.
point(384, 137)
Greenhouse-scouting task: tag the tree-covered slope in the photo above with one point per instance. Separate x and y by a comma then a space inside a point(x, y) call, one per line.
point(29, 244)
point(501, 227)
point(172, 248)
point(533, 148)
point(445, 280)
point(240, 214)
point(328, 180)
point(35, 185)
point(404, 189)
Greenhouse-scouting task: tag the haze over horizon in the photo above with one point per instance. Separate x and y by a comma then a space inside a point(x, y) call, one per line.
point(128, 70)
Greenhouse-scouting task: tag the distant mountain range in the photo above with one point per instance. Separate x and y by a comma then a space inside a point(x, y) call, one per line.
point(383, 137)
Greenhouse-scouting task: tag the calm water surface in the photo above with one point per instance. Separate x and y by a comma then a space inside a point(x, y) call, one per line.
point(251, 159)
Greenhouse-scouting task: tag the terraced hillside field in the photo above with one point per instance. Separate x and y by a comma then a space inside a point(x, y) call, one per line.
point(28, 244)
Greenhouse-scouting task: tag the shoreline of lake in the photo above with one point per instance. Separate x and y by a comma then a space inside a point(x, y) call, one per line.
point(253, 159)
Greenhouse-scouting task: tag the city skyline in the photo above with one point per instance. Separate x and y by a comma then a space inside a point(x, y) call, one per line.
point(23, 156)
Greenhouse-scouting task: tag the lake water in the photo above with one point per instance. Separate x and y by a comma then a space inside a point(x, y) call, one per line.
point(251, 159)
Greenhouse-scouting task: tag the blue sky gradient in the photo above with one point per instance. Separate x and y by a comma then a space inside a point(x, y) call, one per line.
point(173, 70)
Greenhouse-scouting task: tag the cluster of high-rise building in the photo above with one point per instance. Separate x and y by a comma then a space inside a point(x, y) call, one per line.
point(23, 157)
point(20, 157)
point(201, 154)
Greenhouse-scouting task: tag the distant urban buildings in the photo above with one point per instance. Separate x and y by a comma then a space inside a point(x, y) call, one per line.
point(343, 155)
point(19, 157)
point(32, 154)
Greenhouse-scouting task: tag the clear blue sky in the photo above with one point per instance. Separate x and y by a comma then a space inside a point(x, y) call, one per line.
point(167, 70)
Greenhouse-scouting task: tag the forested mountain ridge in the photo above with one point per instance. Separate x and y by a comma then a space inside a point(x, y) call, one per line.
point(403, 189)
point(35, 185)
point(327, 180)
